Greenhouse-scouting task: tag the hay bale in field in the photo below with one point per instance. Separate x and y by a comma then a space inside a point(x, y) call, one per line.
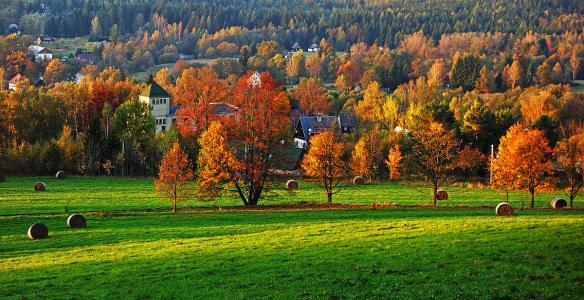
point(504, 209)
point(76, 221)
point(292, 184)
point(441, 195)
point(38, 231)
point(558, 203)
point(2, 178)
point(358, 180)
point(61, 175)
point(40, 187)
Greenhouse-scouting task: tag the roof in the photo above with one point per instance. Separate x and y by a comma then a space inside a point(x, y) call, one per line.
point(38, 49)
point(223, 109)
point(314, 46)
point(311, 125)
point(46, 38)
point(347, 120)
point(155, 90)
point(17, 78)
point(296, 46)
point(86, 57)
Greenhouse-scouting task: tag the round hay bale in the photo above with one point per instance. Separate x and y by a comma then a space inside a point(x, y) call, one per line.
point(358, 180)
point(61, 175)
point(38, 231)
point(292, 184)
point(2, 178)
point(76, 221)
point(559, 203)
point(40, 187)
point(441, 195)
point(504, 209)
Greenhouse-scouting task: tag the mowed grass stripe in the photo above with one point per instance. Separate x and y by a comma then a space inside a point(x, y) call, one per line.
point(388, 253)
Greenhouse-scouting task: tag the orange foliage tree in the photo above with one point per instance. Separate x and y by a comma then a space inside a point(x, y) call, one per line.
point(256, 133)
point(569, 153)
point(324, 163)
point(523, 161)
point(174, 173)
point(393, 162)
point(55, 71)
point(195, 89)
point(434, 154)
point(216, 163)
point(310, 94)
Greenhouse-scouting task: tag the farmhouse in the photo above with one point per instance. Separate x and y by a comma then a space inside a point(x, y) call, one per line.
point(307, 126)
point(13, 29)
point(45, 39)
point(314, 48)
point(86, 58)
point(40, 53)
point(14, 81)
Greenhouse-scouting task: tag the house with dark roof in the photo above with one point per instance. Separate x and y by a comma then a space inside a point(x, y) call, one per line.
point(159, 100)
point(86, 58)
point(13, 29)
point(307, 126)
point(296, 47)
point(45, 39)
point(314, 48)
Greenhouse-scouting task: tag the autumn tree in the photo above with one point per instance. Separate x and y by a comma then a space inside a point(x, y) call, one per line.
point(575, 62)
point(195, 89)
point(470, 160)
point(437, 73)
point(257, 132)
point(523, 161)
point(366, 156)
point(569, 153)
point(324, 163)
point(55, 71)
point(465, 71)
point(310, 93)
point(19, 63)
point(174, 174)
point(485, 82)
point(394, 161)
point(216, 163)
point(543, 73)
point(515, 74)
point(434, 154)
point(313, 65)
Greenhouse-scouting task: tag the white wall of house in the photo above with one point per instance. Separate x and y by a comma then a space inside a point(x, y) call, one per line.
point(160, 111)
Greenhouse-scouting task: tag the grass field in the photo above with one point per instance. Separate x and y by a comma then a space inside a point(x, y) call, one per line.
point(402, 253)
point(90, 194)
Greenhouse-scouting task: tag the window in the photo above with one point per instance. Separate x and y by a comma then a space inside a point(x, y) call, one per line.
point(163, 128)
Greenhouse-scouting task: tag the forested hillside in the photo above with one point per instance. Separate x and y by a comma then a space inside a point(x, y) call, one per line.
point(345, 22)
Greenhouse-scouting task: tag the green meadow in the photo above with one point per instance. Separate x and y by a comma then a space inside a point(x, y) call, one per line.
point(134, 248)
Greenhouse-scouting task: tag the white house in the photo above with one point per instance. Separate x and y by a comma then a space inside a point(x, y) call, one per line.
point(15, 80)
point(159, 100)
point(40, 53)
point(314, 48)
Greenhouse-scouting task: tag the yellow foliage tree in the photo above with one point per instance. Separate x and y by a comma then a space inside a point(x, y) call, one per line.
point(174, 174)
point(216, 163)
point(366, 155)
point(323, 162)
point(393, 162)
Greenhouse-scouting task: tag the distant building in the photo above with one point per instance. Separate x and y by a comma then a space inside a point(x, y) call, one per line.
point(159, 100)
point(223, 109)
point(255, 79)
point(16, 79)
point(13, 29)
point(307, 126)
point(45, 40)
point(86, 58)
point(40, 53)
point(296, 47)
point(314, 48)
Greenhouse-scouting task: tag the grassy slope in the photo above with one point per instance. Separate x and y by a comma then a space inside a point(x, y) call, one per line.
point(80, 194)
point(391, 253)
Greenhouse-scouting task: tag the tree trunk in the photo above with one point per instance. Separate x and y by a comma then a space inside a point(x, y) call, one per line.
point(435, 187)
point(329, 197)
point(174, 206)
point(532, 192)
point(571, 201)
